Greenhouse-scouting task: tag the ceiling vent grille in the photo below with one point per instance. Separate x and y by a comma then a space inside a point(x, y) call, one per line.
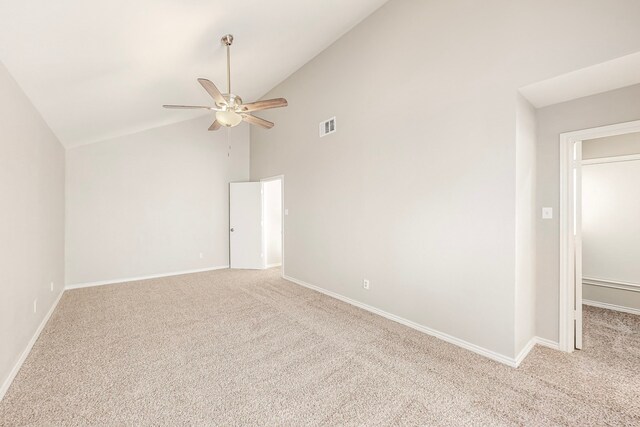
point(327, 127)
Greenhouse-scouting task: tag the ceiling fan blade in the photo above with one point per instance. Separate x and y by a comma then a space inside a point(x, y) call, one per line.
point(187, 107)
point(257, 121)
point(264, 105)
point(215, 125)
point(213, 91)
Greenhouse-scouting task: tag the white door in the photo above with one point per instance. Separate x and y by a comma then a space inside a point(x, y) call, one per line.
point(577, 209)
point(245, 225)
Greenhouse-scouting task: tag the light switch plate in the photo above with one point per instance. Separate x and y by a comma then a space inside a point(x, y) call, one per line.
point(547, 213)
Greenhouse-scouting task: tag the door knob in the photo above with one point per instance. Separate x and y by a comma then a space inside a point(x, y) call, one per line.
point(232, 230)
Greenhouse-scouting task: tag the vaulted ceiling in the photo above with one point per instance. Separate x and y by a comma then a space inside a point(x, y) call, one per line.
point(101, 69)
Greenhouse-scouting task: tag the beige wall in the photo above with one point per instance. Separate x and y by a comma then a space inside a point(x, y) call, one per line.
point(525, 297)
point(151, 202)
point(617, 106)
point(611, 221)
point(620, 145)
point(32, 221)
point(618, 297)
point(416, 191)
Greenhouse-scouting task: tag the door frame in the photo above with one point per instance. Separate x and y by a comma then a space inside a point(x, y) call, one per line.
point(262, 181)
point(568, 299)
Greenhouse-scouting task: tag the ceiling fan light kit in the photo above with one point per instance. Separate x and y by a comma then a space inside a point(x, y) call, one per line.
point(228, 118)
point(229, 108)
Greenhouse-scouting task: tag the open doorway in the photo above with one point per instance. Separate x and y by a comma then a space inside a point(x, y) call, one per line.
point(599, 225)
point(272, 213)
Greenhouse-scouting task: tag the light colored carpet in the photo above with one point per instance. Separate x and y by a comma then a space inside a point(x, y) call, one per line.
point(248, 348)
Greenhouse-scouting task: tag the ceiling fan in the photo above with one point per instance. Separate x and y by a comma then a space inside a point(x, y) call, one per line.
point(229, 108)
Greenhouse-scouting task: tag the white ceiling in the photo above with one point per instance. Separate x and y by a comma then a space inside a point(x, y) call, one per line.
point(100, 69)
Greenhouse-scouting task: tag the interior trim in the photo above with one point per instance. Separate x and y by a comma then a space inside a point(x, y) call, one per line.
point(614, 159)
point(277, 264)
point(135, 279)
point(16, 368)
point(567, 295)
point(611, 307)
point(625, 286)
point(509, 361)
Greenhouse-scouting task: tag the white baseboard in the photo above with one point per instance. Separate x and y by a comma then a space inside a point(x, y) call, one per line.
point(135, 279)
point(531, 344)
point(548, 343)
point(614, 307)
point(525, 351)
point(16, 368)
point(513, 362)
point(278, 264)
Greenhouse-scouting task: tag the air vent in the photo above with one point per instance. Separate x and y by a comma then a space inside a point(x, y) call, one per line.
point(327, 127)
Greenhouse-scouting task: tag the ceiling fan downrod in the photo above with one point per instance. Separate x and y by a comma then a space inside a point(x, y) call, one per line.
point(227, 40)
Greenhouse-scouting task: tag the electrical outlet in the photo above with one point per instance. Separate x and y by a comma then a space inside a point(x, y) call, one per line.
point(35, 305)
point(51, 286)
point(201, 256)
point(365, 284)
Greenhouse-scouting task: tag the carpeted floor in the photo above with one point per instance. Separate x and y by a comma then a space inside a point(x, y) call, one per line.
point(248, 348)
